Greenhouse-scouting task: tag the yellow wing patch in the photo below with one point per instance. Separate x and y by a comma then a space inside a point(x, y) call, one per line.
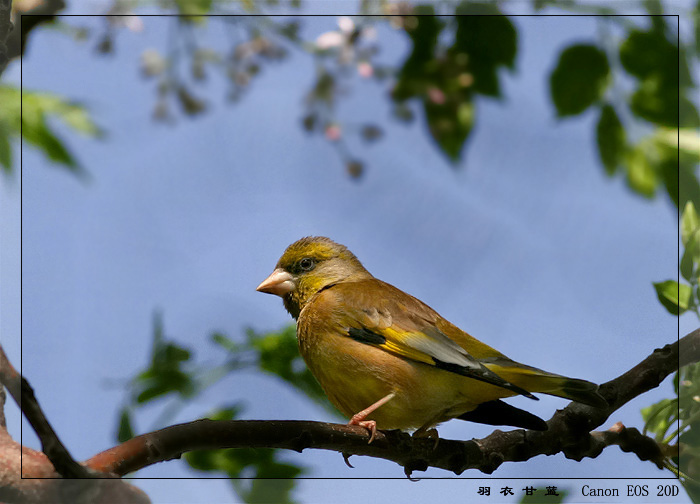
point(391, 345)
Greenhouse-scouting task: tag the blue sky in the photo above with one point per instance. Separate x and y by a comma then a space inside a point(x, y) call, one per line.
point(526, 245)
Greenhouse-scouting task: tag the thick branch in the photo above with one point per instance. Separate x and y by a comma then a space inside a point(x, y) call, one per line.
point(22, 393)
point(26, 21)
point(569, 432)
point(28, 477)
point(631, 440)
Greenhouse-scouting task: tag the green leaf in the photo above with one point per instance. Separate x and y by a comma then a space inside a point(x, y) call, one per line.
point(78, 118)
point(5, 150)
point(655, 10)
point(125, 431)
point(194, 8)
point(273, 490)
point(190, 104)
point(424, 35)
point(36, 111)
point(647, 53)
point(689, 187)
point(649, 100)
point(10, 115)
point(229, 412)
point(679, 151)
point(655, 102)
point(654, 60)
point(487, 42)
point(676, 381)
point(691, 256)
point(684, 140)
point(690, 383)
point(162, 382)
point(259, 467)
point(690, 222)
point(445, 81)
point(689, 117)
point(668, 170)
point(691, 437)
point(324, 89)
point(225, 342)
point(641, 175)
point(690, 485)
point(611, 138)
point(579, 79)
point(204, 460)
point(290, 30)
point(675, 297)
point(659, 416)
point(450, 125)
point(36, 132)
point(420, 67)
point(687, 264)
point(72, 114)
point(491, 37)
point(166, 374)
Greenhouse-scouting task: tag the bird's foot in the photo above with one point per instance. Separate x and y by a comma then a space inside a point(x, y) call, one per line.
point(370, 425)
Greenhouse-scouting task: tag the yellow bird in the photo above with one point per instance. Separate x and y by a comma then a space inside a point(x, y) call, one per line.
point(387, 360)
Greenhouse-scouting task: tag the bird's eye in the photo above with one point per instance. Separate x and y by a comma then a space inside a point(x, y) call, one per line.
point(307, 264)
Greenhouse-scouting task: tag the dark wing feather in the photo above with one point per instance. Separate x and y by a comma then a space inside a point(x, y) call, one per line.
point(501, 413)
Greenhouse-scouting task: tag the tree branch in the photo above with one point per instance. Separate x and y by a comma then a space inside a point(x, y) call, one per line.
point(26, 21)
point(22, 393)
point(33, 477)
point(631, 440)
point(569, 432)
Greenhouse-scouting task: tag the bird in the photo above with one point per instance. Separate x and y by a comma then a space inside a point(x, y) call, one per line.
point(386, 360)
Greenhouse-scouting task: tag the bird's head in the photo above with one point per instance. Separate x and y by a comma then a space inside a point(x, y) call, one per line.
point(309, 265)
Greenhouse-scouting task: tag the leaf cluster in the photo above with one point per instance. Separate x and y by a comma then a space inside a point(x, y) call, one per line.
point(638, 83)
point(452, 61)
point(584, 79)
point(675, 421)
point(33, 115)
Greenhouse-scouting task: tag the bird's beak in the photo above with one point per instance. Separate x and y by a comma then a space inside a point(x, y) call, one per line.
point(279, 282)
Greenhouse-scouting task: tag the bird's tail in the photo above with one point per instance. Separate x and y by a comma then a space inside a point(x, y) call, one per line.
point(536, 380)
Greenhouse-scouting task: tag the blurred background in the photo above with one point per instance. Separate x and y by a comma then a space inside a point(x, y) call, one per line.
point(518, 173)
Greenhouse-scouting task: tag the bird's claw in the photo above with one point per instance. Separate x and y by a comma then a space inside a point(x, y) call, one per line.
point(370, 425)
point(346, 458)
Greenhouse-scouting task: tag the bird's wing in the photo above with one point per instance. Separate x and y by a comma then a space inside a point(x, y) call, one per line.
point(378, 314)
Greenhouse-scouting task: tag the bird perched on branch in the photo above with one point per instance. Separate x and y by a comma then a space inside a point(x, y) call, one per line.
point(385, 359)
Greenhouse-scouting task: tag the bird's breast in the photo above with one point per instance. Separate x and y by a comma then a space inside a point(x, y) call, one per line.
point(355, 375)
